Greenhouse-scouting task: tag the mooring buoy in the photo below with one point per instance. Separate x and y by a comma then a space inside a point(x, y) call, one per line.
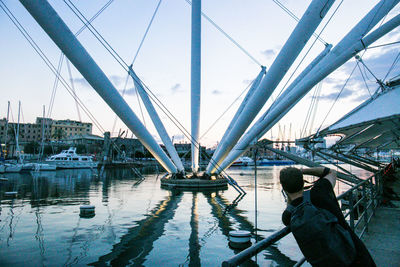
point(87, 211)
point(239, 239)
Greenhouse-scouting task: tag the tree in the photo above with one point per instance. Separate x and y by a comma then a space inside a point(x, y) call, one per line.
point(31, 147)
point(58, 134)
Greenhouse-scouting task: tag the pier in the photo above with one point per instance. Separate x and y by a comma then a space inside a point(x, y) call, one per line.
point(377, 223)
point(383, 236)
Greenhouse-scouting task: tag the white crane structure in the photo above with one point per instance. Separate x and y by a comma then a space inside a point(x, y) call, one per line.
point(236, 140)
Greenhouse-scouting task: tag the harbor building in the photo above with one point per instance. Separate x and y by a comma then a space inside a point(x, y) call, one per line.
point(54, 130)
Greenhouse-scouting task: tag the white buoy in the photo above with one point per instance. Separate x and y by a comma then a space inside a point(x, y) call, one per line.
point(87, 211)
point(239, 239)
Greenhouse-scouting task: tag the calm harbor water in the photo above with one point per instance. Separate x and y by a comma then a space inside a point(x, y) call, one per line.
point(137, 223)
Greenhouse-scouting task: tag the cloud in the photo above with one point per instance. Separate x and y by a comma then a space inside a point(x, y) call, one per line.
point(247, 81)
point(178, 137)
point(129, 91)
point(332, 96)
point(115, 80)
point(81, 82)
point(216, 92)
point(361, 84)
point(177, 88)
point(269, 53)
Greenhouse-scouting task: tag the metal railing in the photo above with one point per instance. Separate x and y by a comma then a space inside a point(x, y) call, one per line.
point(358, 206)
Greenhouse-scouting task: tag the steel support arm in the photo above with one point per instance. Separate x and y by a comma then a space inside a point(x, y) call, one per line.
point(350, 45)
point(351, 162)
point(310, 163)
point(195, 83)
point(62, 36)
point(157, 121)
point(288, 54)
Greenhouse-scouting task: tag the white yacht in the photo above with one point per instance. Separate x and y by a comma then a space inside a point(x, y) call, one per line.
point(242, 162)
point(68, 159)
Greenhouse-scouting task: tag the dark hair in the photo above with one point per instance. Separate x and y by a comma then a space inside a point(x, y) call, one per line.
point(291, 179)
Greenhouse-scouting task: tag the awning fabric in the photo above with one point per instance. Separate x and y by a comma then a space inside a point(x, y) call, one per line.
point(375, 124)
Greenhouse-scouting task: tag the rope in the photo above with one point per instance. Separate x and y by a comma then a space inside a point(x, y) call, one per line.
point(337, 97)
point(46, 60)
point(382, 45)
point(228, 36)
point(311, 108)
point(226, 110)
point(395, 61)
point(134, 59)
point(365, 82)
point(73, 89)
point(147, 30)
point(297, 19)
point(140, 106)
point(308, 51)
point(97, 35)
point(55, 86)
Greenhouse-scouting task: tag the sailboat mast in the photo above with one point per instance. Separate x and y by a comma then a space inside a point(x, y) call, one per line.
point(6, 135)
point(42, 144)
point(17, 134)
point(195, 82)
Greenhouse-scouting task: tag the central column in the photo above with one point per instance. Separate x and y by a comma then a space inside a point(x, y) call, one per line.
point(195, 82)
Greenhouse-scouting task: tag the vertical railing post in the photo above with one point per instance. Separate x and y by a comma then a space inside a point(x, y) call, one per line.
point(351, 207)
point(365, 202)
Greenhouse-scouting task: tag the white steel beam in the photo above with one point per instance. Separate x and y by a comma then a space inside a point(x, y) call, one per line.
point(349, 46)
point(251, 91)
point(62, 36)
point(195, 82)
point(156, 120)
point(293, 46)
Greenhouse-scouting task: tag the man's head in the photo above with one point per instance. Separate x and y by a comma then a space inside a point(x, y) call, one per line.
point(291, 179)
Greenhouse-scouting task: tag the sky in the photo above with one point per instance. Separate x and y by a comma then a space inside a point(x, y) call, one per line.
point(261, 27)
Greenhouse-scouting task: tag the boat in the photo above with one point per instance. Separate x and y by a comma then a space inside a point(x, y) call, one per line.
point(38, 166)
point(10, 167)
point(69, 159)
point(274, 162)
point(243, 162)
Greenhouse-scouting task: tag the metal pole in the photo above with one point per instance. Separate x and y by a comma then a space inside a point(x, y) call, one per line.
point(310, 163)
point(343, 159)
point(6, 135)
point(288, 54)
point(62, 36)
point(42, 144)
point(157, 121)
point(350, 45)
point(254, 249)
point(195, 82)
point(17, 134)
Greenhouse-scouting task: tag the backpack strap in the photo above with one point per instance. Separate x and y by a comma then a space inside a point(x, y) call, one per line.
point(290, 208)
point(307, 196)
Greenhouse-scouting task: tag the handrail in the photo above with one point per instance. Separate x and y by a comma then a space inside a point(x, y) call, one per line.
point(369, 199)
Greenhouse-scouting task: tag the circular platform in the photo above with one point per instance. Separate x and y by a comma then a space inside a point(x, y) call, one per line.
point(194, 183)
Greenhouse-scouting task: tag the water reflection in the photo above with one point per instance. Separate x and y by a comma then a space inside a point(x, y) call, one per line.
point(125, 231)
point(136, 244)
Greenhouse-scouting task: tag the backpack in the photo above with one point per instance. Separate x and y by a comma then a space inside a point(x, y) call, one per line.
point(322, 240)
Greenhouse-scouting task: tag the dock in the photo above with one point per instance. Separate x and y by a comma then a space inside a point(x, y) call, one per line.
point(383, 236)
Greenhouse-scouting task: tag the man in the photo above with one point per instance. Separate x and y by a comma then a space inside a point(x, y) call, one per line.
point(323, 197)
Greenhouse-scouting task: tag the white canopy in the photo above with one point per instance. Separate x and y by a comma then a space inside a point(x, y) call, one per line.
point(373, 124)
